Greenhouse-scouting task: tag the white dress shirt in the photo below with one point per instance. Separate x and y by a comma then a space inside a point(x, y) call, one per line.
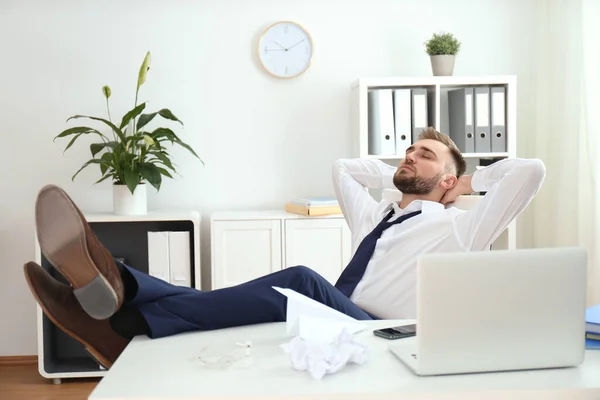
point(388, 287)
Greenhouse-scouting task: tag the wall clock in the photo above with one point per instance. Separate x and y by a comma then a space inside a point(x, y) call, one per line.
point(285, 49)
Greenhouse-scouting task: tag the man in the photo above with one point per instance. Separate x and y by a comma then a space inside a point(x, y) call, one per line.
point(108, 303)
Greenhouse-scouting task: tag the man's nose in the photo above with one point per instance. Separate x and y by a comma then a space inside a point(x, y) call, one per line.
point(410, 158)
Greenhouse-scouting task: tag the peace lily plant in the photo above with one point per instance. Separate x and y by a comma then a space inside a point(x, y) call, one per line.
point(130, 155)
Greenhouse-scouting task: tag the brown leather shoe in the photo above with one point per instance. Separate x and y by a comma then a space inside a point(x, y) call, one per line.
point(68, 243)
point(59, 304)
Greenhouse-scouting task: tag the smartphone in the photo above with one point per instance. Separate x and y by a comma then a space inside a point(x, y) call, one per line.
point(397, 332)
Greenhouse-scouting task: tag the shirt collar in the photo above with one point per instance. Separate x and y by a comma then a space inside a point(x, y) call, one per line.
point(425, 206)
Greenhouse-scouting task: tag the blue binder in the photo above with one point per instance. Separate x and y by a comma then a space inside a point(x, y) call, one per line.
point(592, 344)
point(592, 319)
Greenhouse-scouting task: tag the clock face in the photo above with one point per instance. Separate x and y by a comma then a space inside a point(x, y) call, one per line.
point(285, 49)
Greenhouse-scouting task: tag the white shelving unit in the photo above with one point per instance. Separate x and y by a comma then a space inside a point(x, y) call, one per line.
point(437, 88)
point(60, 356)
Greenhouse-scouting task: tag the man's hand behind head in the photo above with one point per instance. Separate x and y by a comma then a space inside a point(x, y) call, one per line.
point(462, 187)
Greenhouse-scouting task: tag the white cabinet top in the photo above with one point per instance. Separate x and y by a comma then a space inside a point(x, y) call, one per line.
point(263, 214)
point(149, 216)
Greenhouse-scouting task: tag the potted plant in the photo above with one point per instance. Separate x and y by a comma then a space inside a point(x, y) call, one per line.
point(442, 49)
point(129, 154)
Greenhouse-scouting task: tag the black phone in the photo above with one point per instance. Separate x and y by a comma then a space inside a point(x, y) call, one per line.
point(397, 332)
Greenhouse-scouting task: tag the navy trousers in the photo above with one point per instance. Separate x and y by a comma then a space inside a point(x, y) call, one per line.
point(170, 309)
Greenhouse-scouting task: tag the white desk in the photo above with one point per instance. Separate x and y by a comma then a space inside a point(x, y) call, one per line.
point(163, 369)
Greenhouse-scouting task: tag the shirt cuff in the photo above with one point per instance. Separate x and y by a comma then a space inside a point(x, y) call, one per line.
point(387, 176)
point(478, 181)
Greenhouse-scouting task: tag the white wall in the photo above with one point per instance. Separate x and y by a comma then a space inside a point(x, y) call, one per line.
point(263, 140)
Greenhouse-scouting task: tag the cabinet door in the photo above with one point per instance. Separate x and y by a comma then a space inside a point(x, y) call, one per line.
point(244, 250)
point(321, 244)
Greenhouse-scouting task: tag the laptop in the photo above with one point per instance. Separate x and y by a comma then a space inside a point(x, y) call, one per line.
point(498, 310)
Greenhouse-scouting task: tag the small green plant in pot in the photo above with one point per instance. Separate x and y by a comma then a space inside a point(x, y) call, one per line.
point(442, 49)
point(130, 154)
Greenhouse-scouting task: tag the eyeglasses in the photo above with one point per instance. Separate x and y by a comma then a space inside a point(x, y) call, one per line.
point(238, 356)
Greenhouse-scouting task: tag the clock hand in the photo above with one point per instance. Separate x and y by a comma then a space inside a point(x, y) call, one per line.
point(280, 45)
point(297, 44)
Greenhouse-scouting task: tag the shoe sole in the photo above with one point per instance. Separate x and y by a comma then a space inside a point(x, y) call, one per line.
point(63, 242)
point(96, 355)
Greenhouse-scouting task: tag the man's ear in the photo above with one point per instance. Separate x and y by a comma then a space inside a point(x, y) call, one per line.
point(449, 181)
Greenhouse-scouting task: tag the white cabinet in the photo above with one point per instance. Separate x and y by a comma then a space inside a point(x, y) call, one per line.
point(321, 244)
point(248, 245)
point(244, 250)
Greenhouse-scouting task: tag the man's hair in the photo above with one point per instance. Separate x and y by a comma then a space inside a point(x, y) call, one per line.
point(457, 157)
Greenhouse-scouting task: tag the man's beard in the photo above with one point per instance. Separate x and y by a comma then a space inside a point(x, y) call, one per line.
point(415, 184)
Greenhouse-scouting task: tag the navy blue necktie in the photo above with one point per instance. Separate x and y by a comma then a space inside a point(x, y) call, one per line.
point(355, 270)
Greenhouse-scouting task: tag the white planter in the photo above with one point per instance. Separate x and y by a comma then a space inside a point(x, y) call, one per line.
point(125, 203)
point(442, 65)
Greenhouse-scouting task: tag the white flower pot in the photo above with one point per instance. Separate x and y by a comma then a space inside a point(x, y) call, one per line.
point(442, 65)
point(125, 203)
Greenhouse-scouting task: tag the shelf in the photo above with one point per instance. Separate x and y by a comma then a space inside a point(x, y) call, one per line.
point(485, 155)
point(237, 215)
point(85, 367)
point(465, 155)
point(433, 81)
point(150, 216)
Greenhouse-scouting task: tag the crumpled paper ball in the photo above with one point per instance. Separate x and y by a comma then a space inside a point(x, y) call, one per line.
point(320, 358)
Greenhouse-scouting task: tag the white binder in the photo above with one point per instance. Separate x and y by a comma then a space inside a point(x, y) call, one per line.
point(179, 258)
point(402, 127)
point(158, 255)
point(498, 122)
point(381, 122)
point(419, 112)
point(482, 120)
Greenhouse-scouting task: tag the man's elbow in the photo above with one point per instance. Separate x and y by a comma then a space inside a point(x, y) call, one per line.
point(341, 162)
point(536, 171)
point(340, 165)
point(336, 166)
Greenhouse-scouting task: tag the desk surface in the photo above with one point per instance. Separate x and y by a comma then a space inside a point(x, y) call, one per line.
point(168, 368)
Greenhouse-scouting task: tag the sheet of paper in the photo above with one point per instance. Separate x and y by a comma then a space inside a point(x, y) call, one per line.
point(313, 320)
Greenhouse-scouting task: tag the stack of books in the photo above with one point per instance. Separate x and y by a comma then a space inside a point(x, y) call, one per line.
point(313, 206)
point(592, 327)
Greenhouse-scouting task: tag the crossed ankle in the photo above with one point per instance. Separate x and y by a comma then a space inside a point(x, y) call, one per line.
point(129, 322)
point(130, 286)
